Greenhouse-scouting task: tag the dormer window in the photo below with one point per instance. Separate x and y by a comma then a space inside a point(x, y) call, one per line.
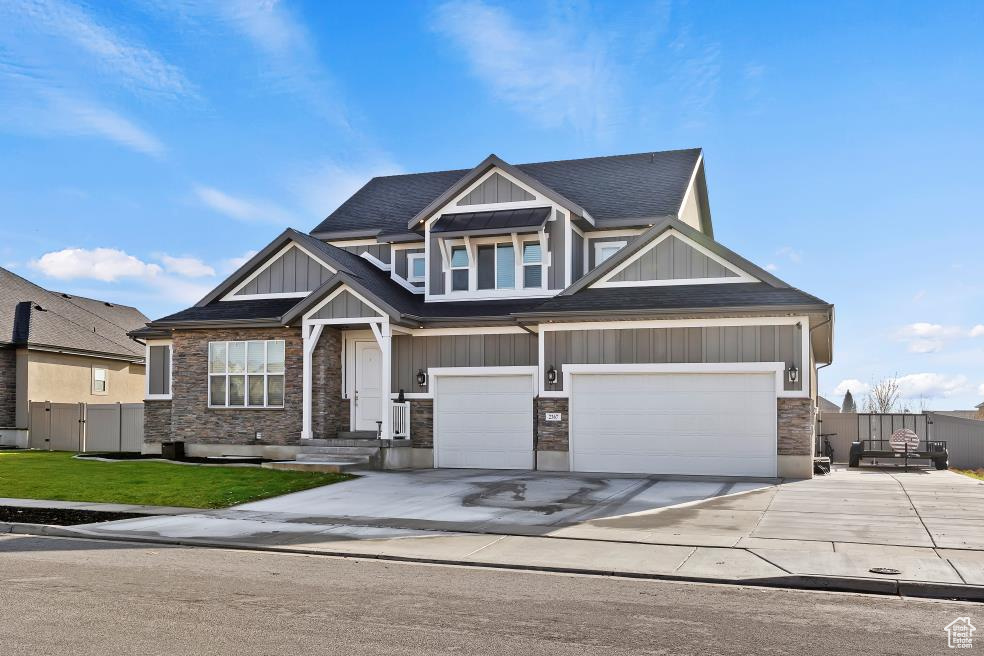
point(459, 269)
point(496, 266)
point(605, 250)
point(532, 264)
point(416, 267)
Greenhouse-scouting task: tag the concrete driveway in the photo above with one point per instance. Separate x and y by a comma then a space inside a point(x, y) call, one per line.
point(475, 500)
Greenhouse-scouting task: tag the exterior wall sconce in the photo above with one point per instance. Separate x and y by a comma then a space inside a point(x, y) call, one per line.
point(552, 375)
point(794, 373)
point(421, 378)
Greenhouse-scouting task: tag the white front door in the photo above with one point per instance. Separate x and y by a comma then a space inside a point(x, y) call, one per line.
point(368, 386)
point(483, 422)
point(674, 423)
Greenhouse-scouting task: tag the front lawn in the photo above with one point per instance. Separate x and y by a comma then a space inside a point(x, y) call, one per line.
point(973, 473)
point(57, 475)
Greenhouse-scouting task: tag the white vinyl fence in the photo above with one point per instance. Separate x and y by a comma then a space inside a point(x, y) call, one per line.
point(964, 437)
point(86, 427)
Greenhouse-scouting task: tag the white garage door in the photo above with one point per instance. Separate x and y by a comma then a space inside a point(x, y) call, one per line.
point(700, 424)
point(483, 422)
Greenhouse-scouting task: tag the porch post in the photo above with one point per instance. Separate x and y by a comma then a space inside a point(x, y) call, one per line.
point(383, 336)
point(311, 334)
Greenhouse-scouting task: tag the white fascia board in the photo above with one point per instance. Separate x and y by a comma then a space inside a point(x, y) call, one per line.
point(478, 330)
point(408, 245)
point(406, 285)
point(617, 232)
point(690, 186)
point(376, 261)
point(266, 265)
point(328, 299)
point(677, 323)
point(484, 295)
point(740, 275)
point(345, 243)
point(253, 297)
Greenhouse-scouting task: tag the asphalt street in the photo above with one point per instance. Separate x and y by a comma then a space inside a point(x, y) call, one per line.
point(76, 597)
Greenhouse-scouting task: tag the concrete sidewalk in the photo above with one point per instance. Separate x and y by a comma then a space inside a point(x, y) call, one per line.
point(825, 533)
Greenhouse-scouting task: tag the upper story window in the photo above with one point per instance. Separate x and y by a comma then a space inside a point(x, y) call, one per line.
point(605, 250)
point(246, 374)
point(100, 381)
point(459, 268)
point(496, 266)
point(532, 265)
point(416, 267)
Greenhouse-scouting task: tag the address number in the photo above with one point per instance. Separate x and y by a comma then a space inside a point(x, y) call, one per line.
point(553, 416)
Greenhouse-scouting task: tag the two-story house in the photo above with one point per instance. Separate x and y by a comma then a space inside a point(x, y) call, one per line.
point(571, 315)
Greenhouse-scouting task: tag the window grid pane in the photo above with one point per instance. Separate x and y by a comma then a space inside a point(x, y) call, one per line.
point(237, 390)
point(417, 266)
point(275, 356)
point(255, 357)
point(255, 388)
point(532, 253)
point(459, 280)
point(459, 257)
point(275, 390)
point(217, 390)
point(237, 357)
point(217, 357)
point(533, 276)
point(505, 267)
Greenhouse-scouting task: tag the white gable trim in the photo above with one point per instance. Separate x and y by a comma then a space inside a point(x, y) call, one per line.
point(740, 274)
point(376, 261)
point(328, 299)
point(231, 296)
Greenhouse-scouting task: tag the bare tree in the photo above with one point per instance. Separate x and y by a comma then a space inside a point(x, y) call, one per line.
point(884, 396)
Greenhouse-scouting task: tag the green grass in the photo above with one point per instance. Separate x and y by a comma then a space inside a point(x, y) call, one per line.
point(59, 476)
point(973, 473)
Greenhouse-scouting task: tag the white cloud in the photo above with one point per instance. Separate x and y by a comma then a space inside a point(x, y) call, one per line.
point(323, 187)
point(925, 345)
point(105, 264)
point(856, 387)
point(242, 209)
point(771, 267)
point(130, 64)
point(89, 119)
point(925, 337)
point(980, 390)
point(791, 254)
point(931, 385)
point(977, 331)
point(231, 264)
point(189, 267)
point(558, 76)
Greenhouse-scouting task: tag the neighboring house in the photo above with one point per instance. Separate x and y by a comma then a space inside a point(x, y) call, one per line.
point(64, 349)
point(568, 315)
point(826, 407)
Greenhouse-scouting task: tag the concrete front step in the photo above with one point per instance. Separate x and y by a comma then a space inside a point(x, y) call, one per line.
point(322, 452)
point(357, 435)
point(326, 464)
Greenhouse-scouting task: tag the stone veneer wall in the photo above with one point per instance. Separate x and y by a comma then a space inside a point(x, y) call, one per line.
point(796, 427)
point(8, 388)
point(422, 423)
point(157, 421)
point(326, 380)
point(552, 435)
point(195, 423)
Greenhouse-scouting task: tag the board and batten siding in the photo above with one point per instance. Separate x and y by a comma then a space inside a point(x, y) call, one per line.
point(294, 271)
point(577, 256)
point(400, 265)
point(558, 251)
point(672, 259)
point(496, 189)
point(410, 354)
point(671, 345)
point(381, 252)
point(344, 306)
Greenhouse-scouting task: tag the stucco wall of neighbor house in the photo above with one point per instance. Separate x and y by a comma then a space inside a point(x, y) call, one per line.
point(8, 388)
point(796, 422)
point(195, 423)
point(66, 378)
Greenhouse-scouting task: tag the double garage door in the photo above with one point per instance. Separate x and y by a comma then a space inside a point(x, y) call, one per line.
point(672, 423)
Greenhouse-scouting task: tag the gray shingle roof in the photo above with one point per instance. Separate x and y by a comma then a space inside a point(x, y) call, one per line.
point(642, 185)
point(252, 309)
point(32, 315)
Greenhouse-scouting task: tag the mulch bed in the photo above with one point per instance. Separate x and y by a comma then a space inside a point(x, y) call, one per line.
point(60, 516)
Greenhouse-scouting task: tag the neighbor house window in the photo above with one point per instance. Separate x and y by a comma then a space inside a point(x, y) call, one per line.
point(605, 250)
point(246, 374)
point(459, 269)
point(532, 264)
point(100, 384)
point(415, 267)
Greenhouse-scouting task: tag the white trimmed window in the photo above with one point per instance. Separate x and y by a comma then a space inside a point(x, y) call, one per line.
point(159, 371)
point(100, 381)
point(416, 268)
point(459, 269)
point(532, 265)
point(606, 249)
point(247, 374)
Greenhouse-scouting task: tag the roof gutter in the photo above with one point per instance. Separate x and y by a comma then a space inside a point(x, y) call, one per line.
point(643, 312)
point(345, 234)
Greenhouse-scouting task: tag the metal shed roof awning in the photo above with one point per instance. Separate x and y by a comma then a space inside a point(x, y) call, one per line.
point(489, 223)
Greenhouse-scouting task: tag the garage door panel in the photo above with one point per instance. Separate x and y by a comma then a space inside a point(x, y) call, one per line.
point(484, 422)
point(701, 424)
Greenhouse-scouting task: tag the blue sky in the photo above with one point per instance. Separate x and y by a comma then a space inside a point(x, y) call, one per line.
point(148, 146)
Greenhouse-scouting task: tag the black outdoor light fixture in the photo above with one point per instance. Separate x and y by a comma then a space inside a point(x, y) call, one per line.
point(421, 377)
point(552, 375)
point(794, 373)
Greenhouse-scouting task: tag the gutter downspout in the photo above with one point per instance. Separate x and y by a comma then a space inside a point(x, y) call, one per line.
point(817, 374)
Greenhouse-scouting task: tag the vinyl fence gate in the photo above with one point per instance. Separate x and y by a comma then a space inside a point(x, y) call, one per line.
point(86, 428)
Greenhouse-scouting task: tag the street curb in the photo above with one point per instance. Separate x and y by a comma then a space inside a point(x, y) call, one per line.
point(893, 587)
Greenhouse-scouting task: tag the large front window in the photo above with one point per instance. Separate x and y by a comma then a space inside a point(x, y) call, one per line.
point(247, 374)
point(459, 269)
